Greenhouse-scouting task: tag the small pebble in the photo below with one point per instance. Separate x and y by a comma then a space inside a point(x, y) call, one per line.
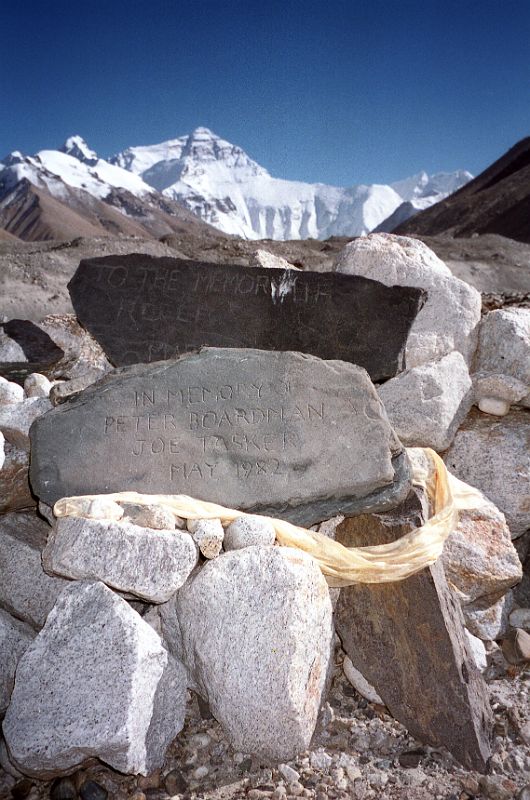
point(175, 783)
point(410, 759)
point(151, 781)
point(21, 789)
point(90, 790)
point(63, 789)
point(249, 530)
point(288, 773)
point(208, 534)
point(37, 385)
point(200, 773)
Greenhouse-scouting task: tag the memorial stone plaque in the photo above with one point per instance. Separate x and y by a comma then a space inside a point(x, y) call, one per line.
point(278, 433)
point(143, 309)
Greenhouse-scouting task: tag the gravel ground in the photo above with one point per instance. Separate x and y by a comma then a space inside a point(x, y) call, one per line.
point(358, 752)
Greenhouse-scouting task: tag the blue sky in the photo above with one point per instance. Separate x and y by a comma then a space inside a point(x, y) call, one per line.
point(337, 92)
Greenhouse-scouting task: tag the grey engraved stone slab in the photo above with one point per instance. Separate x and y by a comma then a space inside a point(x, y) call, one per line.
point(277, 433)
point(143, 309)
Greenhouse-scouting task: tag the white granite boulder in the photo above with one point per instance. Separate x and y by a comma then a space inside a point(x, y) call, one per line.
point(494, 456)
point(15, 638)
point(257, 631)
point(427, 404)
point(96, 682)
point(249, 530)
point(149, 564)
point(26, 591)
point(450, 317)
point(10, 392)
point(504, 344)
point(17, 418)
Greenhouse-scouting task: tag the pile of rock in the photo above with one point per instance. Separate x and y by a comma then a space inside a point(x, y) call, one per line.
point(109, 620)
point(457, 360)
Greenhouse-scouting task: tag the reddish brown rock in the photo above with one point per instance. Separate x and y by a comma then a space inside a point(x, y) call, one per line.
point(407, 639)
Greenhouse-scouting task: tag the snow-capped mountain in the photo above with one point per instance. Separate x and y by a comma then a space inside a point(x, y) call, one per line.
point(222, 185)
point(216, 181)
point(72, 192)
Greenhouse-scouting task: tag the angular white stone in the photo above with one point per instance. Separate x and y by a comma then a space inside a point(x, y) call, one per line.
point(9, 349)
point(16, 419)
point(257, 631)
point(37, 385)
point(149, 564)
point(520, 618)
point(489, 621)
point(478, 649)
point(249, 530)
point(504, 344)
point(360, 683)
point(151, 516)
point(15, 638)
point(450, 317)
point(10, 392)
point(502, 387)
point(262, 258)
point(427, 404)
point(479, 558)
point(96, 682)
point(2, 450)
point(26, 591)
point(208, 534)
point(493, 454)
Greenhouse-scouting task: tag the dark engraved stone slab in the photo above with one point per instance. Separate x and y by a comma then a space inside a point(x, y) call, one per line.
point(408, 640)
point(143, 309)
point(278, 433)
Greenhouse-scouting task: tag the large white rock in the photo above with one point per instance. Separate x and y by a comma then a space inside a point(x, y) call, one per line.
point(479, 558)
point(504, 344)
point(26, 591)
point(16, 419)
point(10, 392)
point(96, 682)
point(150, 564)
point(494, 456)
point(450, 317)
point(427, 404)
point(2, 450)
point(257, 630)
point(15, 638)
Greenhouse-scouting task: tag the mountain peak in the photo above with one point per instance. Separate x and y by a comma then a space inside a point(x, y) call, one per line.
point(77, 147)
